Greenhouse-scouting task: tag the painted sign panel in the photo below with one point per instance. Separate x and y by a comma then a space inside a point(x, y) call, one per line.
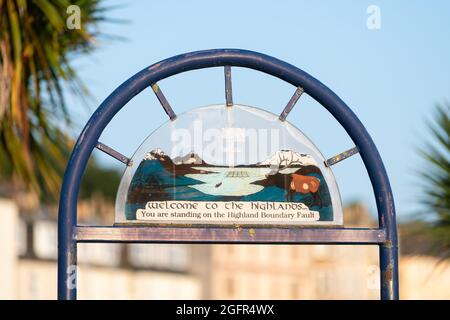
point(222, 165)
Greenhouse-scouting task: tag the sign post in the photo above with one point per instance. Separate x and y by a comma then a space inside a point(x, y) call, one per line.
point(206, 176)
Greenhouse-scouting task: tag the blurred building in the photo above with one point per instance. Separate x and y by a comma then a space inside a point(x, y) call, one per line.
point(424, 277)
point(28, 268)
point(28, 250)
point(292, 272)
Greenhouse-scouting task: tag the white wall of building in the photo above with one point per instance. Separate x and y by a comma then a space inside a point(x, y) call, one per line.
point(8, 250)
point(100, 274)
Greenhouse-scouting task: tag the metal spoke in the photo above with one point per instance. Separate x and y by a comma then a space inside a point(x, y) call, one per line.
point(228, 89)
point(291, 103)
point(164, 103)
point(341, 156)
point(113, 153)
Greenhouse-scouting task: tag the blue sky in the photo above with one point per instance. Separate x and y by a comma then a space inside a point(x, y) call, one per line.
point(391, 77)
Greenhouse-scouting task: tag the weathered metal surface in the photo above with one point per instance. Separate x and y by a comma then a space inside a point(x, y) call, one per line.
point(228, 88)
point(113, 153)
point(67, 261)
point(230, 235)
point(164, 103)
point(290, 105)
point(388, 250)
point(228, 57)
point(341, 156)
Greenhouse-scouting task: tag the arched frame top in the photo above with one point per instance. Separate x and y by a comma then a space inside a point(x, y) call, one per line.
point(237, 58)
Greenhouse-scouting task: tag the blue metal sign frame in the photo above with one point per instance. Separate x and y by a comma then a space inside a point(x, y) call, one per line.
point(69, 233)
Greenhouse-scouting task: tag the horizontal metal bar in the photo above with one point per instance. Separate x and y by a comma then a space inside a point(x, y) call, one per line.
point(341, 156)
point(164, 103)
point(228, 87)
point(229, 235)
point(290, 105)
point(113, 153)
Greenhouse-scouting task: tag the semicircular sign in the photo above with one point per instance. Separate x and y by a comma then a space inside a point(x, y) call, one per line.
point(221, 165)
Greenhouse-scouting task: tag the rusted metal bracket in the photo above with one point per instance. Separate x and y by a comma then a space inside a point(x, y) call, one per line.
point(341, 156)
point(113, 153)
point(297, 94)
point(228, 89)
point(164, 103)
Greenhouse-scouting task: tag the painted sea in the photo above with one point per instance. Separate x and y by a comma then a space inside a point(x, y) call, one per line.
point(287, 177)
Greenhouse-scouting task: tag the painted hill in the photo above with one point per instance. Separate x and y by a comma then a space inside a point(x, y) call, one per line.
point(284, 158)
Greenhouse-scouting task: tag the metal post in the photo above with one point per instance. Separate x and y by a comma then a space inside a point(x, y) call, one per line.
point(389, 284)
point(67, 246)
